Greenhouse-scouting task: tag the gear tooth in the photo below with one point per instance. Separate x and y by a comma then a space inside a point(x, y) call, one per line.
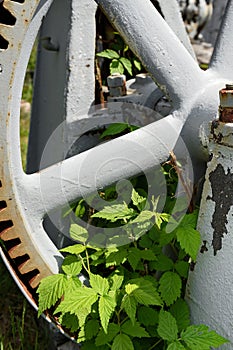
point(35, 280)
point(26, 267)
point(8, 235)
point(16, 251)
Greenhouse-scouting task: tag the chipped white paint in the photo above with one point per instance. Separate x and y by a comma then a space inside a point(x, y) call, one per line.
point(209, 291)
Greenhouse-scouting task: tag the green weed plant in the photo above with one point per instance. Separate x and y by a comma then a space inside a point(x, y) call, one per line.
point(130, 297)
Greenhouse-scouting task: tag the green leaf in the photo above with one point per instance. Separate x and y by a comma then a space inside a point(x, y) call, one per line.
point(91, 329)
point(145, 215)
point(182, 267)
point(187, 236)
point(78, 233)
point(147, 316)
point(137, 64)
point(122, 342)
point(114, 129)
point(50, 290)
point(115, 212)
point(134, 256)
point(107, 305)
point(189, 239)
point(74, 249)
point(127, 64)
point(115, 282)
point(176, 346)
point(103, 338)
point(134, 330)
point(78, 303)
point(138, 201)
point(108, 53)
point(71, 265)
point(180, 311)
point(148, 254)
point(69, 321)
point(201, 338)
point(116, 67)
point(80, 209)
point(167, 328)
point(163, 263)
point(143, 291)
point(99, 284)
point(170, 287)
point(116, 257)
point(129, 304)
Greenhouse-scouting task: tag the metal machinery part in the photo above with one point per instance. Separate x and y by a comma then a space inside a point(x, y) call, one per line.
point(29, 252)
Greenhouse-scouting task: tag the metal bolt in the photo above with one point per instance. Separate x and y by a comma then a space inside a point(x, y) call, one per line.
point(117, 85)
point(226, 104)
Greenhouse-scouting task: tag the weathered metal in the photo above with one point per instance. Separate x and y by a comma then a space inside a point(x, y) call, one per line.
point(226, 104)
point(209, 291)
point(27, 198)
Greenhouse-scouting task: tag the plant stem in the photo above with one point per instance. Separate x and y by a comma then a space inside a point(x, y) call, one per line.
point(153, 346)
point(88, 262)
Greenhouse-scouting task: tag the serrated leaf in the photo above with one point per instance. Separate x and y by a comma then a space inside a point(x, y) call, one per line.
point(73, 283)
point(138, 201)
point(107, 305)
point(170, 287)
point(167, 328)
point(74, 249)
point(99, 284)
point(163, 263)
point(122, 342)
point(91, 329)
point(116, 67)
point(129, 304)
point(115, 282)
point(103, 338)
point(144, 216)
point(200, 337)
point(78, 303)
point(69, 321)
point(116, 258)
point(134, 257)
point(127, 64)
point(189, 239)
point(148, 254)
point(50, 291)
point(144, 292)
point(176, 346)
point(180, 311)
point(108, 53)
point(115, 212)
point(78, 233)
point(114, 129)
point(147, 316)
point(182, 267)
point(134, 330)
point(71, 265)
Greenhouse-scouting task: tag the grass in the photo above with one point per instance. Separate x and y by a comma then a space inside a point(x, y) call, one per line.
point(20, 329)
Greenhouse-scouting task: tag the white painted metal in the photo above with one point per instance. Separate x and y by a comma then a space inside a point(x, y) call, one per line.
point(223, 53)
point(209, 292)
point(194, 95)
point(172, 16)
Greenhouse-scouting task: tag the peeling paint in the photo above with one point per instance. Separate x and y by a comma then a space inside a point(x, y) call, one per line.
point(222, 195)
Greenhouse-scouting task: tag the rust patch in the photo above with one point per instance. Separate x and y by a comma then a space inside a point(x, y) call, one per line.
point(221, 184)
point(226, 114)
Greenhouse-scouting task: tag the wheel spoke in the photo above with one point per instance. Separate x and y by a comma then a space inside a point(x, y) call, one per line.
point(154, 42)
point(173, 17)
point(97, 168)
point(223, 53)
